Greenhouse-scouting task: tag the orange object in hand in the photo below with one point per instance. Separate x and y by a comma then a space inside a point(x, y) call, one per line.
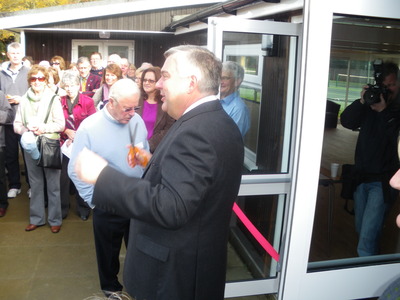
point(140, 158)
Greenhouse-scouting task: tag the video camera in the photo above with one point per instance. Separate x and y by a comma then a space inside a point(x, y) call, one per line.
point(373, 93)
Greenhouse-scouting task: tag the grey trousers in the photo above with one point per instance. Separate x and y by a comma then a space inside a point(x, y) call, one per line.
point(39, 178)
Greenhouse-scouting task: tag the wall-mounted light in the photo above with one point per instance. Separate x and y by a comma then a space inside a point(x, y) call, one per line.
point(104, 34)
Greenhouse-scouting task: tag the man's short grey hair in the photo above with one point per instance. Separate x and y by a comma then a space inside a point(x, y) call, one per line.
point(202, 63)
point(70, 77)
point(123, 88)
point(83, 59)
point(14, 45)
point(233, 68)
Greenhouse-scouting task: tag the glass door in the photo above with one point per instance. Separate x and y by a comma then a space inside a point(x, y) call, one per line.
point(324, 263)
point(123, 48)
point(268, 53)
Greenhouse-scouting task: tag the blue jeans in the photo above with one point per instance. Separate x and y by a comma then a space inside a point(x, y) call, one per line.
point(370, 209)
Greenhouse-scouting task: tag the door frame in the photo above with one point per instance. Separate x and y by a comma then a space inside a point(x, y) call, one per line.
point(342, 283)
point(103, 48)
point(271, 184)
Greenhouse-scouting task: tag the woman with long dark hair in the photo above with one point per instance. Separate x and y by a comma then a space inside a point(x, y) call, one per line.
point(157, 121)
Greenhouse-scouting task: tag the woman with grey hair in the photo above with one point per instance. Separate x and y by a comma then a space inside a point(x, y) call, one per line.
point(76, 107)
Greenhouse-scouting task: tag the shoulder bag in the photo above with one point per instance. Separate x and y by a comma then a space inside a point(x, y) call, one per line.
point(50, 150)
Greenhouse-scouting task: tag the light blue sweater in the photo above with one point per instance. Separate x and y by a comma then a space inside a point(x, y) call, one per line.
point(102, 134)
point(238, 111)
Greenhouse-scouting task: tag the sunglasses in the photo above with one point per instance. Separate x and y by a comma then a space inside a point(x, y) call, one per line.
point(33, 79)
point(55, 63)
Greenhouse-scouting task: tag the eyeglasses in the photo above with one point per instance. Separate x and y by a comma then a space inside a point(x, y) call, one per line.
point(33, 79)
point(128, 110)
point(149, 81)
point(55, 63)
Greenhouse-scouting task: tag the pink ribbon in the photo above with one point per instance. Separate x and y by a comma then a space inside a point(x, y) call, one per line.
point(254, 231)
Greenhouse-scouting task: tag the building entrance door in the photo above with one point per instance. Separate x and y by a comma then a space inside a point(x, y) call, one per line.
point(268, 52)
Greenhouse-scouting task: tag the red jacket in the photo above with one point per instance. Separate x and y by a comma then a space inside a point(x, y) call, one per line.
point(83, 109)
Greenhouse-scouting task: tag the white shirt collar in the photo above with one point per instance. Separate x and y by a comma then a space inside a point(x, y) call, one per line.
point(201, 101)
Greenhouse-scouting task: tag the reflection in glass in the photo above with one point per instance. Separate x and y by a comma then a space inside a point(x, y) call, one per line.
point(120, 50)
point(267, 90)
point(356, 43)
point(247, 259)
point(87, 50)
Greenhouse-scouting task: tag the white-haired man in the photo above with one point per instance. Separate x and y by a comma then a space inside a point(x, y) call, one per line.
point(107, 133)
point(231, 79)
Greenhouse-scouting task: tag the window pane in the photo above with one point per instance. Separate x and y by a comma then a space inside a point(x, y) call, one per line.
point(87, 50)
point(247, 257)
point(120, 50)
point(357, 43)
point(267, 91)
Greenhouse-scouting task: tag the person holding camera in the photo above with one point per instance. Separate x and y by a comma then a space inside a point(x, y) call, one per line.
point(377, 117)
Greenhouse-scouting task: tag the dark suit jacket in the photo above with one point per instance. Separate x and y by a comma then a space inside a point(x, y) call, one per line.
point(161, 127)
point(181, 210)
point(93, 83)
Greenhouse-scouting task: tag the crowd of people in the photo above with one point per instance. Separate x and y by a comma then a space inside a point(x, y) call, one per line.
point(106, 110)
point(188, 119)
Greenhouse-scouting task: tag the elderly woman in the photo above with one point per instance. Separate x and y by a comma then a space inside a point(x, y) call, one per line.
point(112, 73)
point(31, 114)
point(76, 108)
point(157, 121)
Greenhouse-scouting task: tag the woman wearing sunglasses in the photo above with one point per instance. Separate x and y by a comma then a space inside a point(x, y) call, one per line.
point(157, 121)
point(30, 119)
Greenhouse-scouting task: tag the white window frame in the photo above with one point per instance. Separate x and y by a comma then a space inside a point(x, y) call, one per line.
point(103, 48)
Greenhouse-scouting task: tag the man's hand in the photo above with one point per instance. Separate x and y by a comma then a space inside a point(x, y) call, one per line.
point(13, 99)
point(398, 221)
point(88, 166)
point(395, 183)
point(138, 156)
point(380, 106)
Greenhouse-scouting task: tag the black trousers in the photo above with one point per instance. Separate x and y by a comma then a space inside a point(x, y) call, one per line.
point(109, 231)
point(82, 208)
point(3, 180)
point(12, 158)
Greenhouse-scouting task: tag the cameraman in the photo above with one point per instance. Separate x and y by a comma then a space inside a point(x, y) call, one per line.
point(376, 158)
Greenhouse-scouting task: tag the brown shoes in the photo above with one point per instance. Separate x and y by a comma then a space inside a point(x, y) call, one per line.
point(55, 229)
point(32, 227)
point(3, 212)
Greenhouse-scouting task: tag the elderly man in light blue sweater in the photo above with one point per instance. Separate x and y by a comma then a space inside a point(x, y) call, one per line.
point(231, 79)
point(108, 133)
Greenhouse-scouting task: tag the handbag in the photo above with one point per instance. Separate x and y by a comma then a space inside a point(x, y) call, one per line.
point(50, 150)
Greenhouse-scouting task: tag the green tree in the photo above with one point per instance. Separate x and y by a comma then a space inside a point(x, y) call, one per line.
point(17, 5)
point(9, 6)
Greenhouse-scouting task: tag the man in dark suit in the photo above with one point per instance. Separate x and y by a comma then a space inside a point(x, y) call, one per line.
point(180, 209)
point(89, 82)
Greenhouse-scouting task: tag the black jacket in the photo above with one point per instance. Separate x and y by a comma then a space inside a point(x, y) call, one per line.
point(180, 212)
point(376, 157)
